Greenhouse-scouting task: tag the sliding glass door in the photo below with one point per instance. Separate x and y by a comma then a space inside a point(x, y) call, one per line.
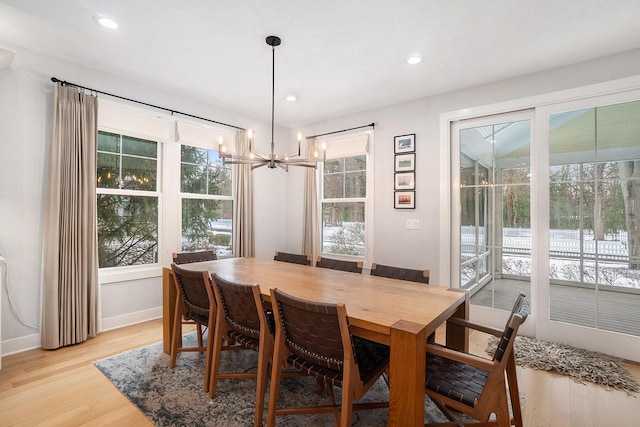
point(492, 199)
point(547, 202)
point(593, 293)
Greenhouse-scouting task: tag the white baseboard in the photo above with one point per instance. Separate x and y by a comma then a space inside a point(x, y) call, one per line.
point(20, 344)
point(29, 342)
point(128, 319)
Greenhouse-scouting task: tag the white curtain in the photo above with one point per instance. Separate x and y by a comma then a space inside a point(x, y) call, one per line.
point(311, 226)
point(243, 236)
point(70, 256)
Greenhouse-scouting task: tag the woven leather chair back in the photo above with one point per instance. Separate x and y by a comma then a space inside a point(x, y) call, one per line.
point(521, 309)
point(198, 256)
point(420, 276)
point(193, 289)
point(292, 258)
point(337, 264)
point(239, 306)
point(312, 331)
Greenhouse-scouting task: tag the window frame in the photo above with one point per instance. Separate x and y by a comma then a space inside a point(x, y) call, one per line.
point(158, 194)
point(200, 196)
point(139, 122)
point(368, 199)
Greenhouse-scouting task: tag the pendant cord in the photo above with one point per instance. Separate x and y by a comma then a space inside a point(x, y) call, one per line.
point(273, 95)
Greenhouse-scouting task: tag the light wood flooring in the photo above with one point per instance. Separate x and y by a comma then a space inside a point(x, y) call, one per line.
point(63, 388)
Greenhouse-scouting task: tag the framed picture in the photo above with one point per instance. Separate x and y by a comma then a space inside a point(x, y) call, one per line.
point(405, 181)
point(404, 200)
point(405, 162)
point(405, 143)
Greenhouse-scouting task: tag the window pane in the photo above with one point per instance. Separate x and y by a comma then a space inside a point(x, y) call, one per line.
point(334, 186)
point(219, 180)
point(356, 163)
point(355, 184)
point(334, 166)
point(202, 172)
point(127, 230)
point(516, 208)
point(343, 228)
point(193, 155)
point(108, 142)
point(207, 224)
point(516, 176)
point(108, 176)
point(132, 172)
point(139, 147)
point(138, 173)
point(193, 179)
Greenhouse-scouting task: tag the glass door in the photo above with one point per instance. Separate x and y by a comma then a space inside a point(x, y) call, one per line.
point(492, 219)
point(593, 292)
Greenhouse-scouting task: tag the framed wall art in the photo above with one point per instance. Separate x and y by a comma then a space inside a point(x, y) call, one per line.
point(405, 181)
point(405, 143)
point(404, 200)
point(405, 162)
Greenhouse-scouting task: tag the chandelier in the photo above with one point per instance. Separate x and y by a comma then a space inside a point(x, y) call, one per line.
point(271, 160)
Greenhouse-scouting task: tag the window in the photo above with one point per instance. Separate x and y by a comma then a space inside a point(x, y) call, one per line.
point(344, 197)
point(161, 188)
point(207, 206)
point(127, 200)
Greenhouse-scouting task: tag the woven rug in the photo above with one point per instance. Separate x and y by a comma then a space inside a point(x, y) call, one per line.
point(175, 397)
point(581, 365)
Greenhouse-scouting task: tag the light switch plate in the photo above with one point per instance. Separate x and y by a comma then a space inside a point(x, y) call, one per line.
point(413, 224)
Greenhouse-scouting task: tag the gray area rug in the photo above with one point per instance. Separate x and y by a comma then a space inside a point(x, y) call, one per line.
point(581, 365)
point(175, 397)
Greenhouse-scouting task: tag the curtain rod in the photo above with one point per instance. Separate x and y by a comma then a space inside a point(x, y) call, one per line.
point(373, 125)
point(65, 83)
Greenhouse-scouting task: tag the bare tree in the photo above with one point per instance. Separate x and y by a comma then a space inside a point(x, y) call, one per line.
point(630, 184)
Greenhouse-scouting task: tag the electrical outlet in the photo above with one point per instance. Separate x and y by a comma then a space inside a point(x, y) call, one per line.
point(413, 224)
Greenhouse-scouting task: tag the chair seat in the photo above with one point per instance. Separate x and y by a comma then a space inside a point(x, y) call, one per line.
point(196, 317)
point(244, 341)
point(370, 356)
point(455, 380)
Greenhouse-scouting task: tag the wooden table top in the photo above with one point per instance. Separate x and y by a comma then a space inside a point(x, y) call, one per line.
point(373, 303)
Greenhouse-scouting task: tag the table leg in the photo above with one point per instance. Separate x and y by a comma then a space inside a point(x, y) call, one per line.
point(168, 308)
point(457, 337)
point(407, 374)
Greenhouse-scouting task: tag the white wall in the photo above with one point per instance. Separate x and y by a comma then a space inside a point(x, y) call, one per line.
point(25, 120)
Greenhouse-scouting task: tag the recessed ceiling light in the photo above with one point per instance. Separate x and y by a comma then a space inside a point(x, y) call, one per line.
point(106, 22)
point(291, 98)
point(414, 59)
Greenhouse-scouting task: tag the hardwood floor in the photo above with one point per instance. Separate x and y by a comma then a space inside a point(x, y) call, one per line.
point(63, 388)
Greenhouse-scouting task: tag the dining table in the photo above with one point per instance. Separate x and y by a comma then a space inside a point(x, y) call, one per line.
point(398, 313)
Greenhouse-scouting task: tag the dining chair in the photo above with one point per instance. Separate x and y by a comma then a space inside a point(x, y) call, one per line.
point(420, 276)
point(242, 320)
point(187, 258)
point(337, 264)
point(198, 256)
point(475, 385)
point(292, 258)
point(314, 337)
point(194, 302)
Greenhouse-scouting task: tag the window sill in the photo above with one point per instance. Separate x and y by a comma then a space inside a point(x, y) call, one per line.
point(124, 274)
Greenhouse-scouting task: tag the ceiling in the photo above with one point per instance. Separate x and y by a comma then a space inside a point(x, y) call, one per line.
point(337, 56)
